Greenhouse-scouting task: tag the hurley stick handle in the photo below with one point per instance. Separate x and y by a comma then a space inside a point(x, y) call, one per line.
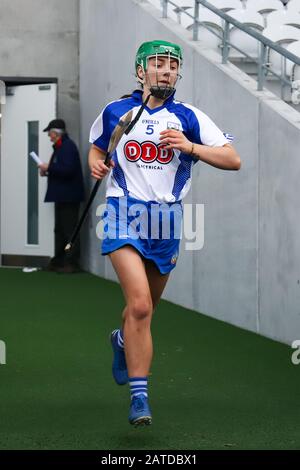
point(69, 246)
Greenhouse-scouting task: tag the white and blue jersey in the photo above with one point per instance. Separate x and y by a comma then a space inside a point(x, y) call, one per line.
point(149, 179)
point(144, 168)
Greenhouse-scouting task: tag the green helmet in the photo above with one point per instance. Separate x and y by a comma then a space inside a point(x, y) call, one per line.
point(151, 48)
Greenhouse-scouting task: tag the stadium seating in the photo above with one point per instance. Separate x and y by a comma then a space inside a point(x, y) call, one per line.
point(215, 23)
point(262, 6)
point(255, 14)
point(185, 3)
point(293, 5)
point(292, 69)
point(182, 18)
point(248, 17)
point(265, 7)
point(226, 5)
point(286, 17)
point(283, 35)
point(175, 13)
point(242, 40)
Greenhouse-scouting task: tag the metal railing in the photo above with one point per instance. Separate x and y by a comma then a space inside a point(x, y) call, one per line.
point(263, 67)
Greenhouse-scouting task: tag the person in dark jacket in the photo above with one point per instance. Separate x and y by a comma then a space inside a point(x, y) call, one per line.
point(66, 190)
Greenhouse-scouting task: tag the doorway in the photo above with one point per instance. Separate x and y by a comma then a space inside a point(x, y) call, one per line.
point(26, 221)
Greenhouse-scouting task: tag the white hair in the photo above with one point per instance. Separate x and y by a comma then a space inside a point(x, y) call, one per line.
point(58, 131)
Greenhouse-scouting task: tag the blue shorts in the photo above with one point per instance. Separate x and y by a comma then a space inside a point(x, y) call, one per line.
point(152, 228)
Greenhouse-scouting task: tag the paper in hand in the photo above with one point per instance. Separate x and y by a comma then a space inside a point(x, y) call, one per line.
point(37, 160)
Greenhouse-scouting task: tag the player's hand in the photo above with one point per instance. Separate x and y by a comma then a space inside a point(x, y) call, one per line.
point(175, 139)
point(100, 170)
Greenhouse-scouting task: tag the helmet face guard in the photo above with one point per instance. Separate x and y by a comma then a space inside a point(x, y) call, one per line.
point(156, 49)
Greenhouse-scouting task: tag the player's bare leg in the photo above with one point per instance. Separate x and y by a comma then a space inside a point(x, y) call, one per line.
point(137, 314)
point(142, 286)
point(157, 282)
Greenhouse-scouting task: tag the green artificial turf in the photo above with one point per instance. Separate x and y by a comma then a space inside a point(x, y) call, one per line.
point(213, 386)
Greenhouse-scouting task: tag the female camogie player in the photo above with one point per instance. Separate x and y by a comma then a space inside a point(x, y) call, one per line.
point(151, 167)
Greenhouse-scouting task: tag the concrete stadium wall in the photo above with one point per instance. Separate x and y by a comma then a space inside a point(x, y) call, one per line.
point(247, 273)
point(39, 38)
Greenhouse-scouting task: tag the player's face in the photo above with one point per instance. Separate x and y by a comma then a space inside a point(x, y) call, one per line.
point(161, 71)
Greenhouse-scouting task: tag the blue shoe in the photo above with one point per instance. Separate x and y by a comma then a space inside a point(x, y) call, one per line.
point(119, 366)
point(140, 414)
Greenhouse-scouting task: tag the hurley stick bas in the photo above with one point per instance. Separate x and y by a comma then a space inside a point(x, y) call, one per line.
point(119, 130)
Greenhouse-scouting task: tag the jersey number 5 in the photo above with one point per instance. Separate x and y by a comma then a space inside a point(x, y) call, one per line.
point(150, 129)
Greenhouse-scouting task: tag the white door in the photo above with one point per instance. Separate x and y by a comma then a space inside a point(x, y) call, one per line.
point(26, 221)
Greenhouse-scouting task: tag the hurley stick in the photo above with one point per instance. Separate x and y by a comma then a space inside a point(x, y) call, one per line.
point(119, 130)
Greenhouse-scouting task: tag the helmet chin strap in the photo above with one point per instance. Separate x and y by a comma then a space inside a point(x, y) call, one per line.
point(162, 93)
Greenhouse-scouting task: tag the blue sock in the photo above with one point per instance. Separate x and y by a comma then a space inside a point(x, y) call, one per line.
point(120, 339)
point(138, 385)
point(118, 335)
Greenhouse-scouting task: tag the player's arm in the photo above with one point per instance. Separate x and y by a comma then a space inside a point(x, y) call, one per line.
point(100, 134)
point(224, 157)
point(96, 162)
